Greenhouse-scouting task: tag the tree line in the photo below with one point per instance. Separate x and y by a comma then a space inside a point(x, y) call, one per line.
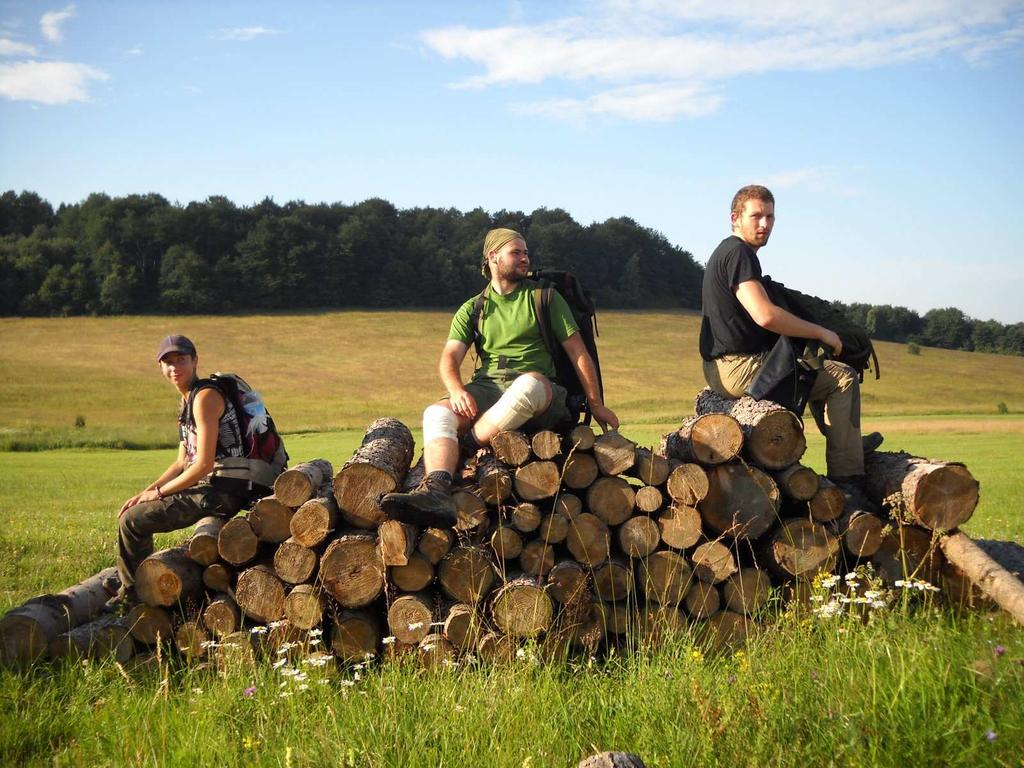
point(141, 254)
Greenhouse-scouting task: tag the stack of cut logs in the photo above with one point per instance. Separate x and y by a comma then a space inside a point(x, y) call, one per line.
point(568, 540)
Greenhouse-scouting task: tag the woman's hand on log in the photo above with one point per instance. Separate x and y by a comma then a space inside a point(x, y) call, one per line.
point(604, 416)
point(463, 404)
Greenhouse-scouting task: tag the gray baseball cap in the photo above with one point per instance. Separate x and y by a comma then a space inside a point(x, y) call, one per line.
point(175, 343)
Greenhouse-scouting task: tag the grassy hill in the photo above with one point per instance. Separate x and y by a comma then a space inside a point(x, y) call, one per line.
point(339, 370)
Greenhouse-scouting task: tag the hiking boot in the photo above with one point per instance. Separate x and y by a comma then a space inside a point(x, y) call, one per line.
point(429, 506)
point(872, 442)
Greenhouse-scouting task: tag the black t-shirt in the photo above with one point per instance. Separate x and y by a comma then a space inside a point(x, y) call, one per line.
point(726, 328)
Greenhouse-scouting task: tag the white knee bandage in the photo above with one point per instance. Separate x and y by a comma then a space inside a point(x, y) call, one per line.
point(520, 402)
point(439, 422)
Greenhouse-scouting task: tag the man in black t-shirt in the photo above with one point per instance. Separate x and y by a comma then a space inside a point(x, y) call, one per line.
point(740, 325)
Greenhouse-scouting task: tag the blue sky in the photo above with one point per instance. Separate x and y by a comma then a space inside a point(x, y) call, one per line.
point(891, 131)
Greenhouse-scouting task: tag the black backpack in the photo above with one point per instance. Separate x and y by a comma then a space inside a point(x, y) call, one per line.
point(858, 351)
point(582, 307)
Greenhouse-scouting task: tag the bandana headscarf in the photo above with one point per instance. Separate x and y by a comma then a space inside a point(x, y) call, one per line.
point(494, 240)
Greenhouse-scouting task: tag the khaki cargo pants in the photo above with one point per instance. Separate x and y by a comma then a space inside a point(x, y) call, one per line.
point(834, 402)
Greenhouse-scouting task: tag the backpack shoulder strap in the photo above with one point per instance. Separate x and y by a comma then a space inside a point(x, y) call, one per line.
point(200, 384)
point(542, 309)
point(476, 320)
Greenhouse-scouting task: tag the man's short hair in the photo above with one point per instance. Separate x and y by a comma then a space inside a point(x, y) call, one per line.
point(751, 192)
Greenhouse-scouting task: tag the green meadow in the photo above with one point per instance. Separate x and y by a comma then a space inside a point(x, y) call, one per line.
point(85, 421)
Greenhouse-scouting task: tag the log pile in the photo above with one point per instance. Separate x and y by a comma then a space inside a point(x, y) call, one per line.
point(569, 540)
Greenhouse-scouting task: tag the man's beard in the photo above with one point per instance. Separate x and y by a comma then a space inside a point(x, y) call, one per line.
point(511, 274)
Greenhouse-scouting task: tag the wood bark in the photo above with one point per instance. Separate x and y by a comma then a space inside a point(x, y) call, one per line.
point(222, 616)
point(415, 575)
point(522, 608)
point(537, 480)
point(614, 453)
point(237, 541)
point(909, 552)
point(537, 558)
point(773, 437)
point(938, 495)
point(397, 542)
point(202, 546)
point(612, 760)
point(687, 483)
point(304, 606)
point(315, 520)
point(351, 570)
point(149, 625)
point(708, 439)
point(579, 470)
point(1005, 589)
point(466, 574)
point(802, 548)
point(356, 635)
point(271, 519)
point(588, 540)
point(378, 466)
point(26, 631)
point(106, 637)
point(797, 482)
point(493, 479)
point(297, 485)
point(435, 543)
point(260, 594)
point(294, 563)
point(828, 502)
point(742, 501)
point(410, 617)
point(611, 499)
point(511, 447)
point(639, 536)
point(169, 577)
point(713, 562)
point(679, 526)
point(665, 577)
point(546, 444)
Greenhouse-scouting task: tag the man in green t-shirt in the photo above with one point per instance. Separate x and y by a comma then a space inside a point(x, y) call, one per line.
point(512, 386)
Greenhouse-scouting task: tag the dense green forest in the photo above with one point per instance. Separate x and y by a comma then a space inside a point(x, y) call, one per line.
point(141, 254)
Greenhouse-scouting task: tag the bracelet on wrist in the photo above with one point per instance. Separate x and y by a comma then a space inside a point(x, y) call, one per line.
point(159, 493)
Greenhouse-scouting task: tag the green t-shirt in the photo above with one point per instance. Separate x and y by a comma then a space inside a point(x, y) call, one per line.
point(509, 328)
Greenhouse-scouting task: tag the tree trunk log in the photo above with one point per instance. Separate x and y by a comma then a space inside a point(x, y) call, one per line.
point(526, 517)
point(680, 526)
point(568, 504)
point(202, 547)
point(935, 494)
point(522, 608)
point(356, 636)
point(665, 577)
point(410, 616)
point(271, 520)
point(588, 540)
point(237, 542)
point(472, 511)
point(747, 590)
point(861, 532)
point(26, 631)
point(219, 577)
point(581, 438)
point(377, 467)
point(297, 485)
point(315, 520)
point(260, 594)
point(397, 542)
point(649, 468)
point(554, 528)
point(461, 626)
point(687, 483)
point(304, 606)
point(713, 562)
point(992, 578)
point(149, 625)
point(614, 453)
point(568, 581)
point(104, 638)
point(773, 437)
point(537, 558)
point(909, 552)
point(742, 501)
point(466, 574)
point(493, 479)
point(828, 503)
point(415, 575)
point(648, 500)
point(351, 570)
point(506, 542)
point(702, 600)
point(639, 536)
point(802, 548)
point(546, 444)
point(168, 577)
point(537, 480)
point(708, 439)
point(435, 652)
point(612, 760)
point(496, 648)
point(579, 470)
point(611, 499)
point(797, 482)
point(613, 580)
point(222, 616)
point(190, 639)
point(294, 563)
point(511, 447)
point(435, 543)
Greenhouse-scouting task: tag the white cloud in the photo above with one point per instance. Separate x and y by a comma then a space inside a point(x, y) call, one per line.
point(816, 179)
point(246, 33)
point(136, 51)
point(50, 23)
point(13, 48)
point(661, 102)
point(660, 53)
point(49, 82)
